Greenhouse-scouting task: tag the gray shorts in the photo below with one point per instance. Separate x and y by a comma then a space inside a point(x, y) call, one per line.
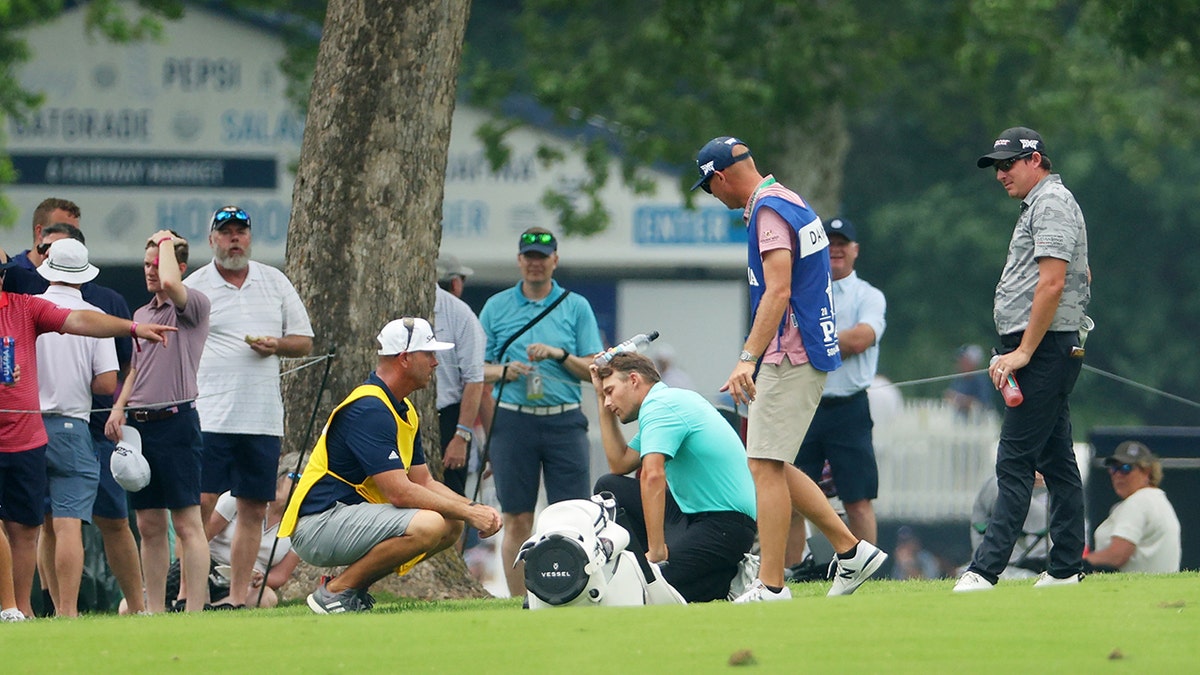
point(344, 534)
point(71, 467)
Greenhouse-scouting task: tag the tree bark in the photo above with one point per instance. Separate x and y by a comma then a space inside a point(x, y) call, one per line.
point(367, 204)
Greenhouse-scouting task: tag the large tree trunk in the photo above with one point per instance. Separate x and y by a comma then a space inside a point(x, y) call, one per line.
point(809, 156)
point(367, 208)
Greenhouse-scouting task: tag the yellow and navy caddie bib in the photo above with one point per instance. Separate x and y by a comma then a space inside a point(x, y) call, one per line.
point(318, 463)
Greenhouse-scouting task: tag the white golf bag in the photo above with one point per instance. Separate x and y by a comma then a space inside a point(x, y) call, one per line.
point(578, 555)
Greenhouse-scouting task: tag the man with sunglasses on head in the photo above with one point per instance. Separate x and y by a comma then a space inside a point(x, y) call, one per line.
point(1039, 310)
point(538, 428)
point(257, 317)
point(366, 498)
point(793, 344)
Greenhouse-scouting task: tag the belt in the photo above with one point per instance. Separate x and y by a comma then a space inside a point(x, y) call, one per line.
point(540, 410)
point(160, 413)
point(837, 400)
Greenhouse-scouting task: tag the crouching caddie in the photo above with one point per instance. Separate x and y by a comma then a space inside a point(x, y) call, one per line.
point(366, 499)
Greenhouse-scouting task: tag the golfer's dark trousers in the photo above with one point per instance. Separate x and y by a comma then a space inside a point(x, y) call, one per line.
point(1036, 435)
point(703, 549)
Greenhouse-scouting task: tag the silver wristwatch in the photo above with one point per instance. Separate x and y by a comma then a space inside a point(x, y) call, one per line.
point(465, 435)
point(747, 357)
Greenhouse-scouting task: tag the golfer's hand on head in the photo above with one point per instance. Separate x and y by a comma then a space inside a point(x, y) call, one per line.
point(596, 382)
point(740, 384)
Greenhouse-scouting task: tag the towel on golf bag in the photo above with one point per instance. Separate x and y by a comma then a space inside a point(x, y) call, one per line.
point(579, 555)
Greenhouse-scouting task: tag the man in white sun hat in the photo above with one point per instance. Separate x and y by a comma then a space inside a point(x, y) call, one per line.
point(71, 367)
point(366, 499)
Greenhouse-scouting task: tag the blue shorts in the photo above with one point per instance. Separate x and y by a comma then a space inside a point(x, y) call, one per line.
point(841, 432)
point(72, 470)
point(526, 447)
point(245, 464)
point(112, 501)
point(23, 486)
point(172, 447)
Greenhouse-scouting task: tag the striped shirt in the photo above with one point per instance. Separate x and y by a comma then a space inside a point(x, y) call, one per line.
point(239, 390)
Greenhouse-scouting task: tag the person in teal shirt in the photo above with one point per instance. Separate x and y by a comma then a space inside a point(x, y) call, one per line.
point(692, 506)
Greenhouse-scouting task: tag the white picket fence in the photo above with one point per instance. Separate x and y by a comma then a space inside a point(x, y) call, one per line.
point(932, 461)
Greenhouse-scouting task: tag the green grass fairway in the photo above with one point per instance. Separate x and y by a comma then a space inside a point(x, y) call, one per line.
point(1109, 624)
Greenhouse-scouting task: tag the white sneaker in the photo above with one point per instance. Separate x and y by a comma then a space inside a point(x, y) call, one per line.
point(1044, 580)
point(851, 573)
point(758, 592)
point(12, 614)
point(970, 581)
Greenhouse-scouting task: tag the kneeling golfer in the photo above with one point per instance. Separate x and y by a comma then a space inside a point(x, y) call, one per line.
point(366, 499)
point(692, 505)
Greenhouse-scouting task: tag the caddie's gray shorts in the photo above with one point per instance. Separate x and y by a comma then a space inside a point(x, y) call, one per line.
point(345, 533)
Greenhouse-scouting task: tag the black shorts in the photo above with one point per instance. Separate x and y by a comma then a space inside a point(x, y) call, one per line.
point(23, 486)
point(841, 433)
point(172, 447)
point(245, 464)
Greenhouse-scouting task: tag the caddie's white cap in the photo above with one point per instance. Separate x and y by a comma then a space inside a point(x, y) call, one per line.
point(129, 467)
point(409, 335)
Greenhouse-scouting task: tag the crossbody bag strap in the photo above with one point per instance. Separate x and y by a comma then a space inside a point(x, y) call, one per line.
point(531, 324)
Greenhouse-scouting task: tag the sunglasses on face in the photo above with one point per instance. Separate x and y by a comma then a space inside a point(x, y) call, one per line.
point(1007, 164)
point(705, 185)
point(537, 238)
point(1123, 469)
point(43, 249)
point(227, 214)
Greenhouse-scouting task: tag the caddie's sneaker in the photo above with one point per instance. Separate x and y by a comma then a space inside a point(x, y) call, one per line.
point(971, 581)
point(12, 614)
point(758, 592)
point(323, 601)
point(851, 573)
point(1045, 580)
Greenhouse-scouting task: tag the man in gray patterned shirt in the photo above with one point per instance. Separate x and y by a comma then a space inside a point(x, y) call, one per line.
point(1039, 308)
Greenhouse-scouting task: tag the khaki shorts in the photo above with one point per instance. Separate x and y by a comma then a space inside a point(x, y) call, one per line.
point(786, 399)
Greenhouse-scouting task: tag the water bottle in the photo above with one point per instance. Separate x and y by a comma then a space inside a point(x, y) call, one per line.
point(1009, 390)
point(636, 343)
point(534, 387)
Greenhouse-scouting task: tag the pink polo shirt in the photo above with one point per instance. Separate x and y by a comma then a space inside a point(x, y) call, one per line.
point(166, 375)
point(775, 233)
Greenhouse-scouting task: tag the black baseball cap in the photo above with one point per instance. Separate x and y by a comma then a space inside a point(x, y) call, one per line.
point(1013, 142)
point(229, 214)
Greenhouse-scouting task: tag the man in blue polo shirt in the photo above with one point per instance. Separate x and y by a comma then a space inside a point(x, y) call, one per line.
point(692, 504)
point(841, 428)
point(538, 429)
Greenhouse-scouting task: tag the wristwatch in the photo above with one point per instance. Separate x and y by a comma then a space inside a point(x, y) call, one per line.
point(747, 357)
point(465, 435)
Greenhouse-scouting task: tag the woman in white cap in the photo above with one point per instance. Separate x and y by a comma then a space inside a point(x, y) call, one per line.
point(1141, 533)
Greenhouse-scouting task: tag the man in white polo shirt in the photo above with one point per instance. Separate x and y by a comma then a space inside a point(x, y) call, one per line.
point(257, 317)
point(71, 368)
